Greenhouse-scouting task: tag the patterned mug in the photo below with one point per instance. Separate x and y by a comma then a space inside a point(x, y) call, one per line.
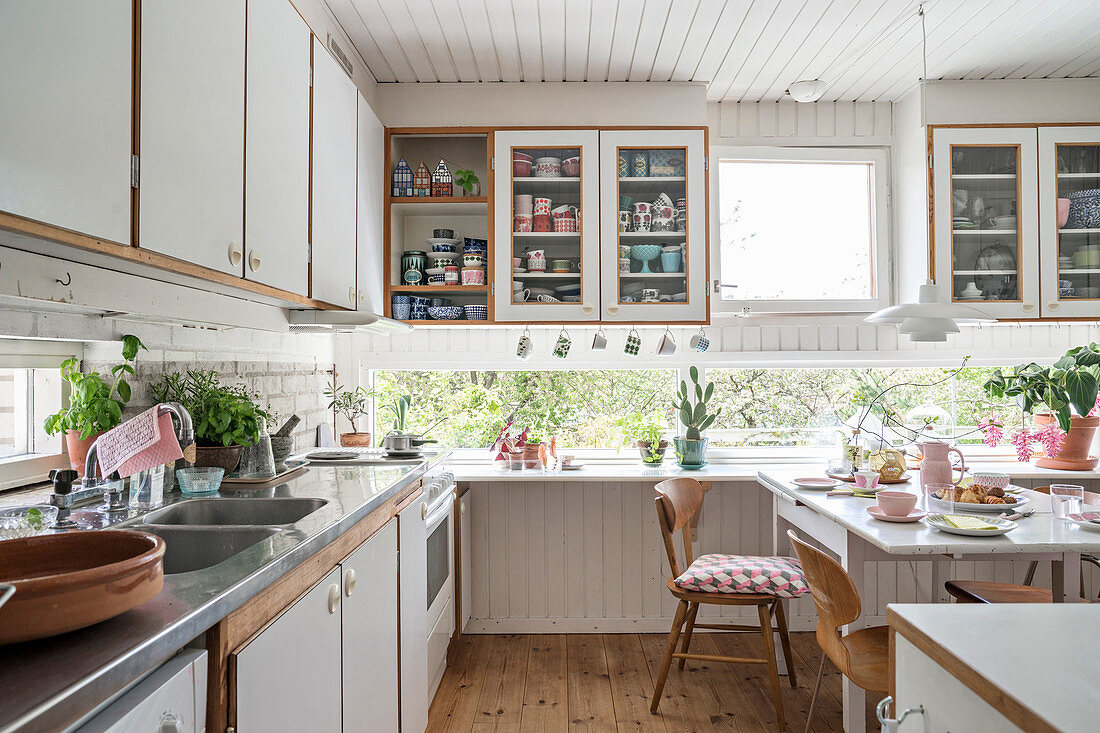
point(561, 348)
point(633, 343)
point(624, 221)
point(699, 342)
point(525, 347)
point(542, 205)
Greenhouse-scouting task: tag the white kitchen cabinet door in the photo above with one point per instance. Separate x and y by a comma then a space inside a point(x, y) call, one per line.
point(369, 215)
point(191, 193)
point(370, 634)
point(276, 183)
point(575, 244)
point(986, 231)
point(1069, 247)
point(465, 550)
point(663, 275)
point(334, 167)
point(65, 114)
point(288, 676)
point(413, 594)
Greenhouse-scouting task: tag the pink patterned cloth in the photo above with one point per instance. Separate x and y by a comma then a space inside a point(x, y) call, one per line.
point(774, 576)
point(146, 441)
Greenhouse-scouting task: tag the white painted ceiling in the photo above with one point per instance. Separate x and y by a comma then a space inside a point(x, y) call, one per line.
point(744, 50)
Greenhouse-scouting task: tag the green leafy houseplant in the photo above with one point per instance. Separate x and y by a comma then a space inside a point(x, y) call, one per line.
point(352, 404)
point(692, 407)
point(223, 415)
point(646, 432)
point(95, 403)
point(399, 408)
point(468, 180)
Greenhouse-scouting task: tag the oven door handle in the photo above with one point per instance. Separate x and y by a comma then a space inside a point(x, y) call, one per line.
point(439, 510)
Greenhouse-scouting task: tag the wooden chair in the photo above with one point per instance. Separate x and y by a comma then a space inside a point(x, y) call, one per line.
point(678, 501)
point(862, 655)
point(982, 591)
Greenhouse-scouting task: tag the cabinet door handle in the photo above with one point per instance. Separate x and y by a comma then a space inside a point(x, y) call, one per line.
point(1053, 305)
point(462, 507)
point(349, 582)
point(587, 308)
point(170, 723)
point(362, 297)
point(1027, 306)
point(333, 598)
point(612, 310)
point(351, 295)
point(424, 510)
point(235, 254)
point(253, 261)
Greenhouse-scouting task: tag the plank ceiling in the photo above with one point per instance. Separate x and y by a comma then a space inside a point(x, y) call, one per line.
point(744, 50)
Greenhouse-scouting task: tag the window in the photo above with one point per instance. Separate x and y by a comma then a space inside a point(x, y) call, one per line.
point(31, 388)
point(802, 230)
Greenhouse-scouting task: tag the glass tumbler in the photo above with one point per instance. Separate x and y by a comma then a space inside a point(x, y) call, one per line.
point(1066, 499)
point(932, 504)
point(257, 460)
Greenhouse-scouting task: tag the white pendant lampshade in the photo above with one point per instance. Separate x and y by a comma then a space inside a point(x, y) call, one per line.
point(806, 90)
point(931, 318)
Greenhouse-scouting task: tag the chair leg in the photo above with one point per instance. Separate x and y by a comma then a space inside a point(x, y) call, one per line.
point(773, 667)
point(673, 637)
point(785, 640)
point(817, 689)
point(692, 613)
point(1030, 574)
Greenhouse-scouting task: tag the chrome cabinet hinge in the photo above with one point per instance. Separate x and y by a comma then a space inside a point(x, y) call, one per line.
point(311, 76)
point(492, 288)
point(492, 162)
point(930, 160)
point(135, 171)
point(706, 162)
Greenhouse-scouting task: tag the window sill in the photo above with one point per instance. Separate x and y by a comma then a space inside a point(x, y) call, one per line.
point(24, 470)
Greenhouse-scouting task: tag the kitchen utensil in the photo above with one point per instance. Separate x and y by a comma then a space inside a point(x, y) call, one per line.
point(404, 442)
point(935, 467)
point(473, 276)
point(651, 295)
point(475, 246)
point(626, 223)
point(970, 292)
point(520, 295)
point(867, 480)
point(670, 261)
point(991, 479)
point(451, 275)
point(443, 233)
point(523, 203)
point(642, 218)
point(289, 425)
point(448, 245)
point(1011, 502)
point(1003, 222)
point(667, 345)
point(401, 310)
point(521, 164)
point(204, 480)
point(536, 260)
point(571, 167)
point(562, 265)
point(522, 223)
point(413, 263)
point(477, 312)
point(438, 302)
point(473, 260)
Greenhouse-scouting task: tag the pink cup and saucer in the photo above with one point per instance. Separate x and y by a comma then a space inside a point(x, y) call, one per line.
point(896, 506)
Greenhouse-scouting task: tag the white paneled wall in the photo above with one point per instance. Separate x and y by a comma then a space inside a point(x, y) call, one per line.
point(789, 123)
point(588, 557)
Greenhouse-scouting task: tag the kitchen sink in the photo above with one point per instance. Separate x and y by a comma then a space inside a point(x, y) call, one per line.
point(241, 512)
point(195, 548)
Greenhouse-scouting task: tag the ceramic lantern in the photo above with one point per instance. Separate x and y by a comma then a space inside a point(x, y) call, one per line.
point(402, 180)
point(441, 181)
point(889, 463)
point(422, 181)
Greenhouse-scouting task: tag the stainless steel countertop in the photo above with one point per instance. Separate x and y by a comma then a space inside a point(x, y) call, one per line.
point(55, 683)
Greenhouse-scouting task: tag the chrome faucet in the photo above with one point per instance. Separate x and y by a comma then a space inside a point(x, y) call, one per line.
point(64, 498)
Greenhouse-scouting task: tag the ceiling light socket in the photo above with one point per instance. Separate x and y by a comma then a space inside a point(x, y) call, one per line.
point(806, 90)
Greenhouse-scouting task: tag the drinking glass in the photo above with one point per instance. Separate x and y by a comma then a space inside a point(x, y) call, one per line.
point(942, 506)
point(1066, 499)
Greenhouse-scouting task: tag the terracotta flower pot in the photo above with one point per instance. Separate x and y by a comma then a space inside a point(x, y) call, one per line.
point(531, 455)
point(355, 440)
point(78, 449)
point(1074, 455)
point(217, 456)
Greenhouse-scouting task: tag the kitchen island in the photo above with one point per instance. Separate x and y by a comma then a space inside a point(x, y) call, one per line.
point(55, 683)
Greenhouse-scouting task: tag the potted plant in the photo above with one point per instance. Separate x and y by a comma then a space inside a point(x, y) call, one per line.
point(469, 182)
point(226, 418)
point(531, 451)
point(691, 450)
point(352, 405)
point(94, 405)
point(645, 431)
point(1067, 390)
point(399, 408)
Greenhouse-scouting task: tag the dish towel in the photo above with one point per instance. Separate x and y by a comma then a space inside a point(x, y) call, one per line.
point(147, 440)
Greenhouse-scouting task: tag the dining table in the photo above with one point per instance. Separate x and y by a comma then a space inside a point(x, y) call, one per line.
point(842, 525)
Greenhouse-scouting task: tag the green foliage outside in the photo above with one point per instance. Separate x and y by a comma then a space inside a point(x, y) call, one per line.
point(760, 407)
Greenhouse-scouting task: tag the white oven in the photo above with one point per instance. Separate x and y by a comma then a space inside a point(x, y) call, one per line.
point(440, 572)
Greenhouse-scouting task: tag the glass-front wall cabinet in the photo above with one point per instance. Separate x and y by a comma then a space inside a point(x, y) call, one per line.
point(986, 233)
point(547, 225)
point(1069, 201)
point(653, 225)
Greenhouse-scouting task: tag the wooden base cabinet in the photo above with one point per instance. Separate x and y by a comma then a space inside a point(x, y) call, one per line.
point(329, 661)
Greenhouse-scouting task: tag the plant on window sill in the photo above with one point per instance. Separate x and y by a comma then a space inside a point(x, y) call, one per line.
point(352, 405)
point(691, 450)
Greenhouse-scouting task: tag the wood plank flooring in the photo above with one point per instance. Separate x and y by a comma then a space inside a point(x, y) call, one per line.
point(602, 683)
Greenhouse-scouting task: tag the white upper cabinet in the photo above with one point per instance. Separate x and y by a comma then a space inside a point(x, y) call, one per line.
point(986, 231)
point(65, 114)
point(335, 105)
point(276, 184)
point(547, 221)
point(191, 194)
point(653, 226)
point(1069, 220)
point(371, 205)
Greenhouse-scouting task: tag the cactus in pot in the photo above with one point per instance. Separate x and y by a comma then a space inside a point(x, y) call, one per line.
point(695, 416)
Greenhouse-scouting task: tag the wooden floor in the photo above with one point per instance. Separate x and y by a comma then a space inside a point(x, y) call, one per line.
point(603, 682)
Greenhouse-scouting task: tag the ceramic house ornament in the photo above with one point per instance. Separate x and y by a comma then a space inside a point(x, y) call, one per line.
point(441, 181)
point(402, 181)
point(422, 181)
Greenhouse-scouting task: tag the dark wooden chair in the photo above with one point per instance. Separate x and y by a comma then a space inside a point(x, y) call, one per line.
point(862, 655)
point(678, 501)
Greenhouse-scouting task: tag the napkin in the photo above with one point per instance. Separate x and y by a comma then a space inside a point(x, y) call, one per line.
point(145, 441)
point(1086, 517)
point(963, 521)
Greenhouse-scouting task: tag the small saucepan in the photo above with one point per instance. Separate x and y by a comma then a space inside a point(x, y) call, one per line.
point(404, 443)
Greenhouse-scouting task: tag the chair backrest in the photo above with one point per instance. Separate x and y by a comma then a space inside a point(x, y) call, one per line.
point(834, 594)
point(678, 500)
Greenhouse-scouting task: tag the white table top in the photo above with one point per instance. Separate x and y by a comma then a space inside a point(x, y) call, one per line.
point(1049, 665)
point(1039, 533)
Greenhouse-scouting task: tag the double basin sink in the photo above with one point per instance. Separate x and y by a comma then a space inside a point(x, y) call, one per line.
point(201, 533)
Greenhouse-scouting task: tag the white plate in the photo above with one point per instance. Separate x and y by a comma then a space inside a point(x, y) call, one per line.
point(984, 508)
point(1002, 526)
point(572, 466)
point(815, 484)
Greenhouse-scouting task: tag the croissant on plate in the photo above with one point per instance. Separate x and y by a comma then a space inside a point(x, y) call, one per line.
point(994, 500)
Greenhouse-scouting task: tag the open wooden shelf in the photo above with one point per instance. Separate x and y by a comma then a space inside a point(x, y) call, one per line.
point(439, 288)
point(425, 200)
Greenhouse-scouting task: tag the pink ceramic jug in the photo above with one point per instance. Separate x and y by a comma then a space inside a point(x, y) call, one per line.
point(935, 465)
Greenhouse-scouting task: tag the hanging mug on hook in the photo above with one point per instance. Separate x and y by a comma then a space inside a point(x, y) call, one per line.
point(699, 342)
point(599, 341)
point(525, 347)
point(561, 348)
point(633, 343)
point(667, 345)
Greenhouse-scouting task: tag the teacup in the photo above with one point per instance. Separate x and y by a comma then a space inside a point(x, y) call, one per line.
point(523, 204)
point(651, 295)
point(517, 262)
point(896, 503)
point(625, 221)
point(562, 265)
point(866, 479)
point(561, 348)
point(473, 260)
point(520, 295)
point(524, 347)
point(599, 341)
point(522, 223)
point(699, 342)
point(624, 265)
point(443, 234)
point(667, 345)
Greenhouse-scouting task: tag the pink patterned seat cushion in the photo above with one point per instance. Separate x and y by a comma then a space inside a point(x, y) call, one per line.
point(774, 576)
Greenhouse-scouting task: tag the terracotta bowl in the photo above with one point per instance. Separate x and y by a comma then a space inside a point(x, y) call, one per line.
point(65, 582)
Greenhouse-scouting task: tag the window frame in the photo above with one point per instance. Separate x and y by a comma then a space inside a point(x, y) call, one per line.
point(879, 160)
point(30, 468)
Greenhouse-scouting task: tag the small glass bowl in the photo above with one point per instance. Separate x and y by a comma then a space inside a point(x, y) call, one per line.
point(204, 480)
point(26, 521)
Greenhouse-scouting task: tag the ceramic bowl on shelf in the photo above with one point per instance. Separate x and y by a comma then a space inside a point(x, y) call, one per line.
point(443, 233)
point(1084, 209)
point(1003, 222)
point(446, 312)
point(443, 245)
point(477, 312)
point(442, 259)
point(475, 246)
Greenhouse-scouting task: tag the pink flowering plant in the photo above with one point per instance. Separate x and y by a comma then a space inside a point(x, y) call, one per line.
point(512, 438)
